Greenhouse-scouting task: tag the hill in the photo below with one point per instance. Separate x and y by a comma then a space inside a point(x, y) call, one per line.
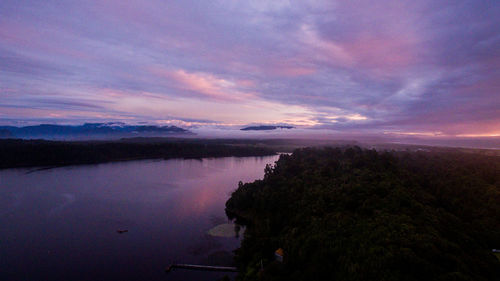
point(265, 128)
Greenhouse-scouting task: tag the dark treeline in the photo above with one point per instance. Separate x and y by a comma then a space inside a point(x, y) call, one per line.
point(29, 153)
point(354, 214)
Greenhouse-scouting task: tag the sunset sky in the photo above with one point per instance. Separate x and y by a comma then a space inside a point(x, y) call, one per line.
point(370, 67)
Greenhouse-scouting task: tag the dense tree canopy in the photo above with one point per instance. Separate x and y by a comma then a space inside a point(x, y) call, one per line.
point(354, 214)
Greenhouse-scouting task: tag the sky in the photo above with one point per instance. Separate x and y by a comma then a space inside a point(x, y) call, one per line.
point(415, 68)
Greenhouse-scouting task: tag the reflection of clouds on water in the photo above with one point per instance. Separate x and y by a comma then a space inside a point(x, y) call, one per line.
point(68, 198)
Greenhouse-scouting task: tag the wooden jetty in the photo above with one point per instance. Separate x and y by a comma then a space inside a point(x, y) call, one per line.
point(201, 267)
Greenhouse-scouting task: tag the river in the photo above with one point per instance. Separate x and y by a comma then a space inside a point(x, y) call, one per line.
point(61, 223)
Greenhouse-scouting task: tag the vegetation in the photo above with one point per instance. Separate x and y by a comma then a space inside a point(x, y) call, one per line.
point(28, 153)
point(354, 214)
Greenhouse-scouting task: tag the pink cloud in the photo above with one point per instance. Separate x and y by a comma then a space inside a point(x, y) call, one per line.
point(382, 53)
point(289, 69)
point(206, 84)
point(246, 83)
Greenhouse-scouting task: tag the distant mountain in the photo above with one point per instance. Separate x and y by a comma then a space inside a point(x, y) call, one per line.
point(4, 133)
point(265, 128)
point(89, 131)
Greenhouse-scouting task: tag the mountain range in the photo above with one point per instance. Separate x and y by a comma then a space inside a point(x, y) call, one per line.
point(89, 131)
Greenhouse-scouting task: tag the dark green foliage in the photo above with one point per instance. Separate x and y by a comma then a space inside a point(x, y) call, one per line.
point(353, 214)
point(26, 153)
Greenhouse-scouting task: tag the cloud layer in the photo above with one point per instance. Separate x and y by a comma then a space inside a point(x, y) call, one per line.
point(398, 67)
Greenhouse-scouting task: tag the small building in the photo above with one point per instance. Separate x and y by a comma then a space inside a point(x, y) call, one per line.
point(278, 255)
point(496, 252)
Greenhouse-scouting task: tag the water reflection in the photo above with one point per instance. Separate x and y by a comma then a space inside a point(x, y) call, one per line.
point(60, 224)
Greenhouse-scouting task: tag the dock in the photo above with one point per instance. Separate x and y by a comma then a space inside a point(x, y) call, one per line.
point(201, 267)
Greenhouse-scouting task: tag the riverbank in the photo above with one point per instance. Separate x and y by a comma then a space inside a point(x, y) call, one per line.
point(17, 153)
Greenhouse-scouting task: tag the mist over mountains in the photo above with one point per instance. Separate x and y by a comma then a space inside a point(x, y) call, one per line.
point(89, 131)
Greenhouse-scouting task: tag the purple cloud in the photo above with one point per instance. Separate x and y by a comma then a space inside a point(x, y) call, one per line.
point(351, 66)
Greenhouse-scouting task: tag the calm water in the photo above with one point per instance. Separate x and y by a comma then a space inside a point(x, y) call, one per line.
point(60, 224)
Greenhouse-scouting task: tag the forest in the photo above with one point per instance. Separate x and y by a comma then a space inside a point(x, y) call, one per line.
point(358, 214)
point(28, 153)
